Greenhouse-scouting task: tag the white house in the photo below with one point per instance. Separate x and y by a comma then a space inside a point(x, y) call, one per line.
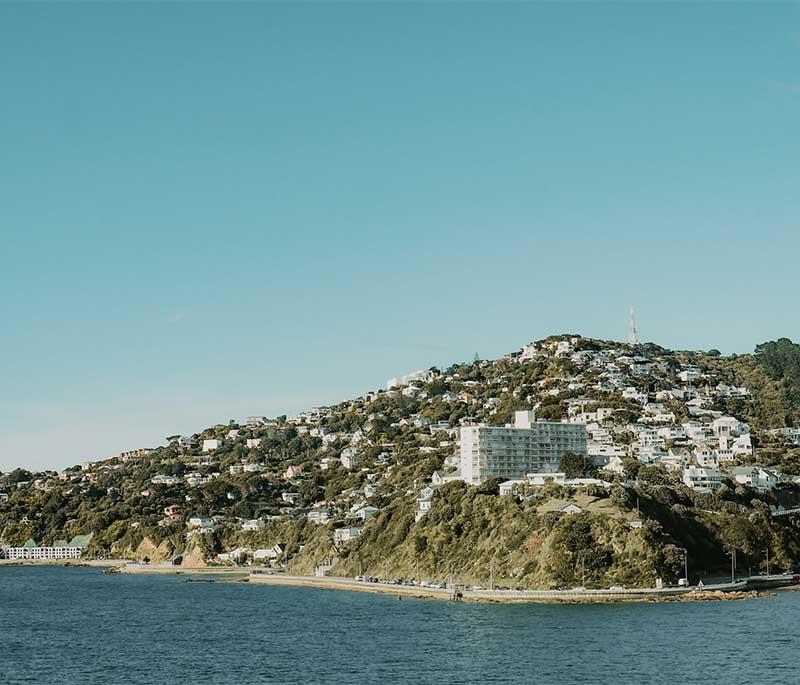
point(211, 445)
point(346, 534)
point(757, 477)
point(200, 522)
point(702, 479)
point(272, 553)
point(424, 502)
point(507, 487)
point(366, 512)
point(327, 462)
point(253, 525)
point(319, 516)
point(441, 478)
point(351, 457)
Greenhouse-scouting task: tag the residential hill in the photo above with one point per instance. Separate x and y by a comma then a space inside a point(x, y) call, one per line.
point(687, 450)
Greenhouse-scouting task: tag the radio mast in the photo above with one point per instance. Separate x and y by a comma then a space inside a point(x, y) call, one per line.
point(632, 337)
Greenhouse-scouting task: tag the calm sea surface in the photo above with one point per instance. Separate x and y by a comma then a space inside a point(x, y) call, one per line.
point(62, 625)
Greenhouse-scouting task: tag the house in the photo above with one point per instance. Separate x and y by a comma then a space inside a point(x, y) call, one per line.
point(570, 509)
point(706, 458)
point(728, 426)
point(742, 446)
point(440, 478)
point(366, 512)
point(211, 445)
point(173, 512)
point(293, 471)
point(253, 443)
point(165, 480)
point(615, 465)
point(507, 487)
point(702, 479)
point(342, 535)
point(203, 522)
point(424, 502)
point(272, 553)
point(319, 516)
point(762, 479)
point(690, 374)
point(234, 555)
point(291, 497)
point(538, 480)
point(351, 457)
point(253, 525)
point(328, 462)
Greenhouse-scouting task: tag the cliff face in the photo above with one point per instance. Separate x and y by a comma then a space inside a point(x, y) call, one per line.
point(146, 549)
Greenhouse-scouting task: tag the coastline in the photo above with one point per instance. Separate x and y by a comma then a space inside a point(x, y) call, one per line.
point(736, 592)
point(132, 568)
point(93, 563)
point(723, 592)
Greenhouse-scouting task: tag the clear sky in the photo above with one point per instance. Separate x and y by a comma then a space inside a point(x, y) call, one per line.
point(215, 210)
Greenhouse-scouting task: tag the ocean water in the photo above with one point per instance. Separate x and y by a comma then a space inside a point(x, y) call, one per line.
point(76, 625)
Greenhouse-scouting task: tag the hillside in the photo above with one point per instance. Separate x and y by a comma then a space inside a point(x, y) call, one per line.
point(348, 483)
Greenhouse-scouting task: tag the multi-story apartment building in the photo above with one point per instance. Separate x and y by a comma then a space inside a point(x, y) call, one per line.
point(529, 446)
point(40, 553)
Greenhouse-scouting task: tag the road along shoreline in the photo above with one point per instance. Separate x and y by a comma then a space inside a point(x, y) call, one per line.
point(727, 591)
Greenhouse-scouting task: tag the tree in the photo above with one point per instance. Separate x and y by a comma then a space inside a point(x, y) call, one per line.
point(576, 466)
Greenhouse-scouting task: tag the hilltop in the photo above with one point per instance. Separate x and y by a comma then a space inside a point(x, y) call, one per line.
point(686, 450)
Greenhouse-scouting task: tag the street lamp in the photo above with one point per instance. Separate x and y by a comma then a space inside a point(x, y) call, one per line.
point(732, 555)
point(685, 563)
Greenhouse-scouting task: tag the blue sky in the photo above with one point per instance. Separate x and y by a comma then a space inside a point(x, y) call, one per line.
point(215, 210)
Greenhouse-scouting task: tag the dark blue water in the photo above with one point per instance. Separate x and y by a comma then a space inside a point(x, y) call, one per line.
point(62, 625)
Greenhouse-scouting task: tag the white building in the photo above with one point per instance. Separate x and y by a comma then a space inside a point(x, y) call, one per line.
point(253, 525)
point(421, 376)
point(346, 534)
point(756, 477)
point(319, 516)
point(704, 480)
point(351, 457)
point(211, 445)
point(200, 522)
point(528, 446)
point(41, 553)
point(424, 502)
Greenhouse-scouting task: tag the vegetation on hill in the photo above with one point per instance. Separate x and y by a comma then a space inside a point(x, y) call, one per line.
point(629, 534)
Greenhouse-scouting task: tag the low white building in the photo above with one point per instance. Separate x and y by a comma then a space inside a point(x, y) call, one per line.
point(346, 534)
point(702, 479)
point(211, 445)
point(319, 516)
point(28, 553)
point(253, 525)
point(761, 479)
